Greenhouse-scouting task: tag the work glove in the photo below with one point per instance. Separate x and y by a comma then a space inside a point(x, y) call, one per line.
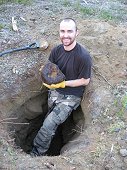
point(55, 86)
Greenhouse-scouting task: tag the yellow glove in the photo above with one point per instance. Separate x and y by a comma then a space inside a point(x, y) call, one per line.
point(55, 86)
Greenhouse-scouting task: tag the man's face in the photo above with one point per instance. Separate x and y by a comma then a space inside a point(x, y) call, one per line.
point(68, 32)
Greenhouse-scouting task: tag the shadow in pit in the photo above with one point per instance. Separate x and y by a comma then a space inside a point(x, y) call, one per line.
point(63, 135)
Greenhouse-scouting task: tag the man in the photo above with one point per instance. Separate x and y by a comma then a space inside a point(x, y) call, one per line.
point(75, 63)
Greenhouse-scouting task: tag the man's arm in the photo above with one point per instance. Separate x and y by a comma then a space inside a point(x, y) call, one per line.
point(77, 82)
point(69, 83)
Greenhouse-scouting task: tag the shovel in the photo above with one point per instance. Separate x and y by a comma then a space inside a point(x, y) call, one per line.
point(34, 45)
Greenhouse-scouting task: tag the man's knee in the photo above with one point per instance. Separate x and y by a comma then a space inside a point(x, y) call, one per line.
point(51, 122)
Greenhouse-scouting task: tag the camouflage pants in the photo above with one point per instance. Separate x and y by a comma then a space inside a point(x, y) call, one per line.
point(63, 106)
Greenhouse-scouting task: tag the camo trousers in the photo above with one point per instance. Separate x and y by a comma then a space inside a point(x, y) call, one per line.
point(62, 108)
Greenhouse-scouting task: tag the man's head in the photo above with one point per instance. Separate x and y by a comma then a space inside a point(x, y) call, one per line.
point(68, 33)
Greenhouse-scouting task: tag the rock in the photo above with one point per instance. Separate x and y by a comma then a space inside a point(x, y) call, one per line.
point(120, 44)
point(123, 152)
point(43, 44)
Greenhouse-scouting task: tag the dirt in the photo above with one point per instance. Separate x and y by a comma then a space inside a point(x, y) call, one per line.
point(100, 142)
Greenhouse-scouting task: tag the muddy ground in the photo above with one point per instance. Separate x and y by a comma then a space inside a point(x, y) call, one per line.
point(100, 141)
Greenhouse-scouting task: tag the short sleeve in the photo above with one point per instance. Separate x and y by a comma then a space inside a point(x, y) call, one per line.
point(85, 67)
point(52, 55)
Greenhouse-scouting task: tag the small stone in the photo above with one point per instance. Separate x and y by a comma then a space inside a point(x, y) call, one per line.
point(120, 44)
point(42, 31)
point(117, 129)
point(123, 152)
point(46, 8)
point(14, 70)
point(43, 44)
point(107, 167)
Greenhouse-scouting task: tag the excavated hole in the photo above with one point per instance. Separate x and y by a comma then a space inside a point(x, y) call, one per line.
point(32, 114)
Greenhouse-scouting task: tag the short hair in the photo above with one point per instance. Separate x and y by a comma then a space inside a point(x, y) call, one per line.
point(70, 19)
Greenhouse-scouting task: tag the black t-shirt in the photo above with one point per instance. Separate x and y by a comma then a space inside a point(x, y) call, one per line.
point(74, 64)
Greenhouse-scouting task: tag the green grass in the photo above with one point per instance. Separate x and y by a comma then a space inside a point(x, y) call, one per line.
point(25, 2)
point(1, 26)
point(83, 10)
point(87, 11)
point(106, 15)
point(115, 126)
point(124, 101)
point(121, 104)
point(66, 3)
point(120, 100)
point(114, 14)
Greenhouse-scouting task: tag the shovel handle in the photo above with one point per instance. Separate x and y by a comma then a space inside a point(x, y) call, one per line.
point(31, 46)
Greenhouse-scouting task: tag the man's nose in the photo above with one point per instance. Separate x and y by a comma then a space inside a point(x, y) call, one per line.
point(65, 34)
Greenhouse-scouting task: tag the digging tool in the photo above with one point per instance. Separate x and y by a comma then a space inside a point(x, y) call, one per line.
point(36, 45)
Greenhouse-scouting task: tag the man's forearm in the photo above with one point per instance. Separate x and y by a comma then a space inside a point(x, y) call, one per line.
point(77, 82)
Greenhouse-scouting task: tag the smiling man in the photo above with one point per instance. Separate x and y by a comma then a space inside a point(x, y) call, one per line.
point(68, 33)
point(75, 63)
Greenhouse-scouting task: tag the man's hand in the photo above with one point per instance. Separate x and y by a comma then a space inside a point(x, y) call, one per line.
point(55, 86)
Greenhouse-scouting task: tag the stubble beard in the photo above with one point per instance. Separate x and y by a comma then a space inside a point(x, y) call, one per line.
point(68, 43)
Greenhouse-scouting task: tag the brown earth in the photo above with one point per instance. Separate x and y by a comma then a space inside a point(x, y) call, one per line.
point(100, 141)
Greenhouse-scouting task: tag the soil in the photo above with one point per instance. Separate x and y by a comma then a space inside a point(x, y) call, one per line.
point(100, 142)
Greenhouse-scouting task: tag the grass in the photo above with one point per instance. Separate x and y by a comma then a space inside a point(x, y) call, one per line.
point(25, 2)
point(113, 13)
point(1, 26)
point(84, 10)
point(98, 151)
point(124, 102)
point(66, 3)
point(106, 15)
point(116, 127)
point(121, 104)
point(110, 14)
point(123, 107)
point(87, 11)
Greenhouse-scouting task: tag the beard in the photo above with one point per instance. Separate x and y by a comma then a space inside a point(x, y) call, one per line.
point(67, 41)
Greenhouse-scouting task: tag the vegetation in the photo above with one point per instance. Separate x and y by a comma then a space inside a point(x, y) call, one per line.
point(114, 13)
point(87, 11)
point(15, 1)
point(120, 102)
point(1, 26)
point(106, 15)
point(66, 3)
point(116, 127)
point(122, 105)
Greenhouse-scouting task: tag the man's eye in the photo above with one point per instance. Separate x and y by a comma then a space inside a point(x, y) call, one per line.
point(62, 31)
point(70, 31)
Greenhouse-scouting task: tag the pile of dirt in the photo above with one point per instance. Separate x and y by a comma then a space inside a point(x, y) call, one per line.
point(100, 141)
